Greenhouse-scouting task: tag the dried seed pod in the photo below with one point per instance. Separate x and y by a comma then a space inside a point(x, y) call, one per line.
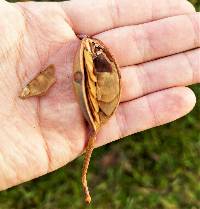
point(98, 88)
point(40, 84)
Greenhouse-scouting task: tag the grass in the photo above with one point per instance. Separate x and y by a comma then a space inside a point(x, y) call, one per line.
point(155, 169)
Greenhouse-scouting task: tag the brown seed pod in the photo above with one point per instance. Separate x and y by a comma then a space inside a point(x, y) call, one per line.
point(98, 88)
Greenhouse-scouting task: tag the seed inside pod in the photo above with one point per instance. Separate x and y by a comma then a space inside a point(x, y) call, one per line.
point(98, 91)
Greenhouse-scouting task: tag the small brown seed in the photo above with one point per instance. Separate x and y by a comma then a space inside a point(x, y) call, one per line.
point(40, 84)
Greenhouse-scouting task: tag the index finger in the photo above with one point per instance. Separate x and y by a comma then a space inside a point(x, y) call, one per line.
point(94, 16)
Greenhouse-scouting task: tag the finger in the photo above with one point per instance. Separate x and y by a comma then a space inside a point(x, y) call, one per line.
point(150, 111)
point(141, 43)
point(94, 16)
point(177, 70)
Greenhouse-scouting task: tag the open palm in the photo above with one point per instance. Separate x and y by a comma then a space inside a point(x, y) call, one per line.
point(156, 46)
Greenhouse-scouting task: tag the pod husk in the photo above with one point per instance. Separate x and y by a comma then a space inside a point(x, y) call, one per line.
point(97, 84)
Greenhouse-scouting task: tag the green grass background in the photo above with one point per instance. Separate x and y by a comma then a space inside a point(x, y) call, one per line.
point(156, 169)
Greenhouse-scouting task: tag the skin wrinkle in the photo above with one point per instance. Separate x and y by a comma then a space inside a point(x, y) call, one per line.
point(10, 166)
point(142, 88)
point(113, 7)
point(16, 72)
point(196, 29)
point(70, 147)
point(154, 15)
point(16, 173)
point(148, 38)
point(24, 117)
point(152, 9)
point(155, 121)
point(39, 57)
point(191, 67)
point(7, 86)
point(18, 76)
point(3, 174)
point(147, 80)
point(71, 50)
point(68, 19)
point(7, 116)
point(20, 34)
point(46, 147)
point(18, 60)
point(169, 6)
point(28, 15)
point(24, 76)
point(25, 150)
point(121, 121)
point(4, 55)
point(48, 125)
point(136, 42)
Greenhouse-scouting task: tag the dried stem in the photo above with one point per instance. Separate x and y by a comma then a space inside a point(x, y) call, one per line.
point(89, 150)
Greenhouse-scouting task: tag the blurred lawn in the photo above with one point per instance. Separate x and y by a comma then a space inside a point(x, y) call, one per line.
point(156, 169)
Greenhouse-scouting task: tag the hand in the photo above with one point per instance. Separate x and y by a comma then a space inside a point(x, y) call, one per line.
point(156, 45)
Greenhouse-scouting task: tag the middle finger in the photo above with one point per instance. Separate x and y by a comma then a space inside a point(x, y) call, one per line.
point(141, 43)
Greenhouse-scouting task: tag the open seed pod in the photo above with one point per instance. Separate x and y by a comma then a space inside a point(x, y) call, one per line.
point(98, 88)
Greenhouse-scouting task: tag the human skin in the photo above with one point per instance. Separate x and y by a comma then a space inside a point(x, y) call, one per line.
point(155, 44)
